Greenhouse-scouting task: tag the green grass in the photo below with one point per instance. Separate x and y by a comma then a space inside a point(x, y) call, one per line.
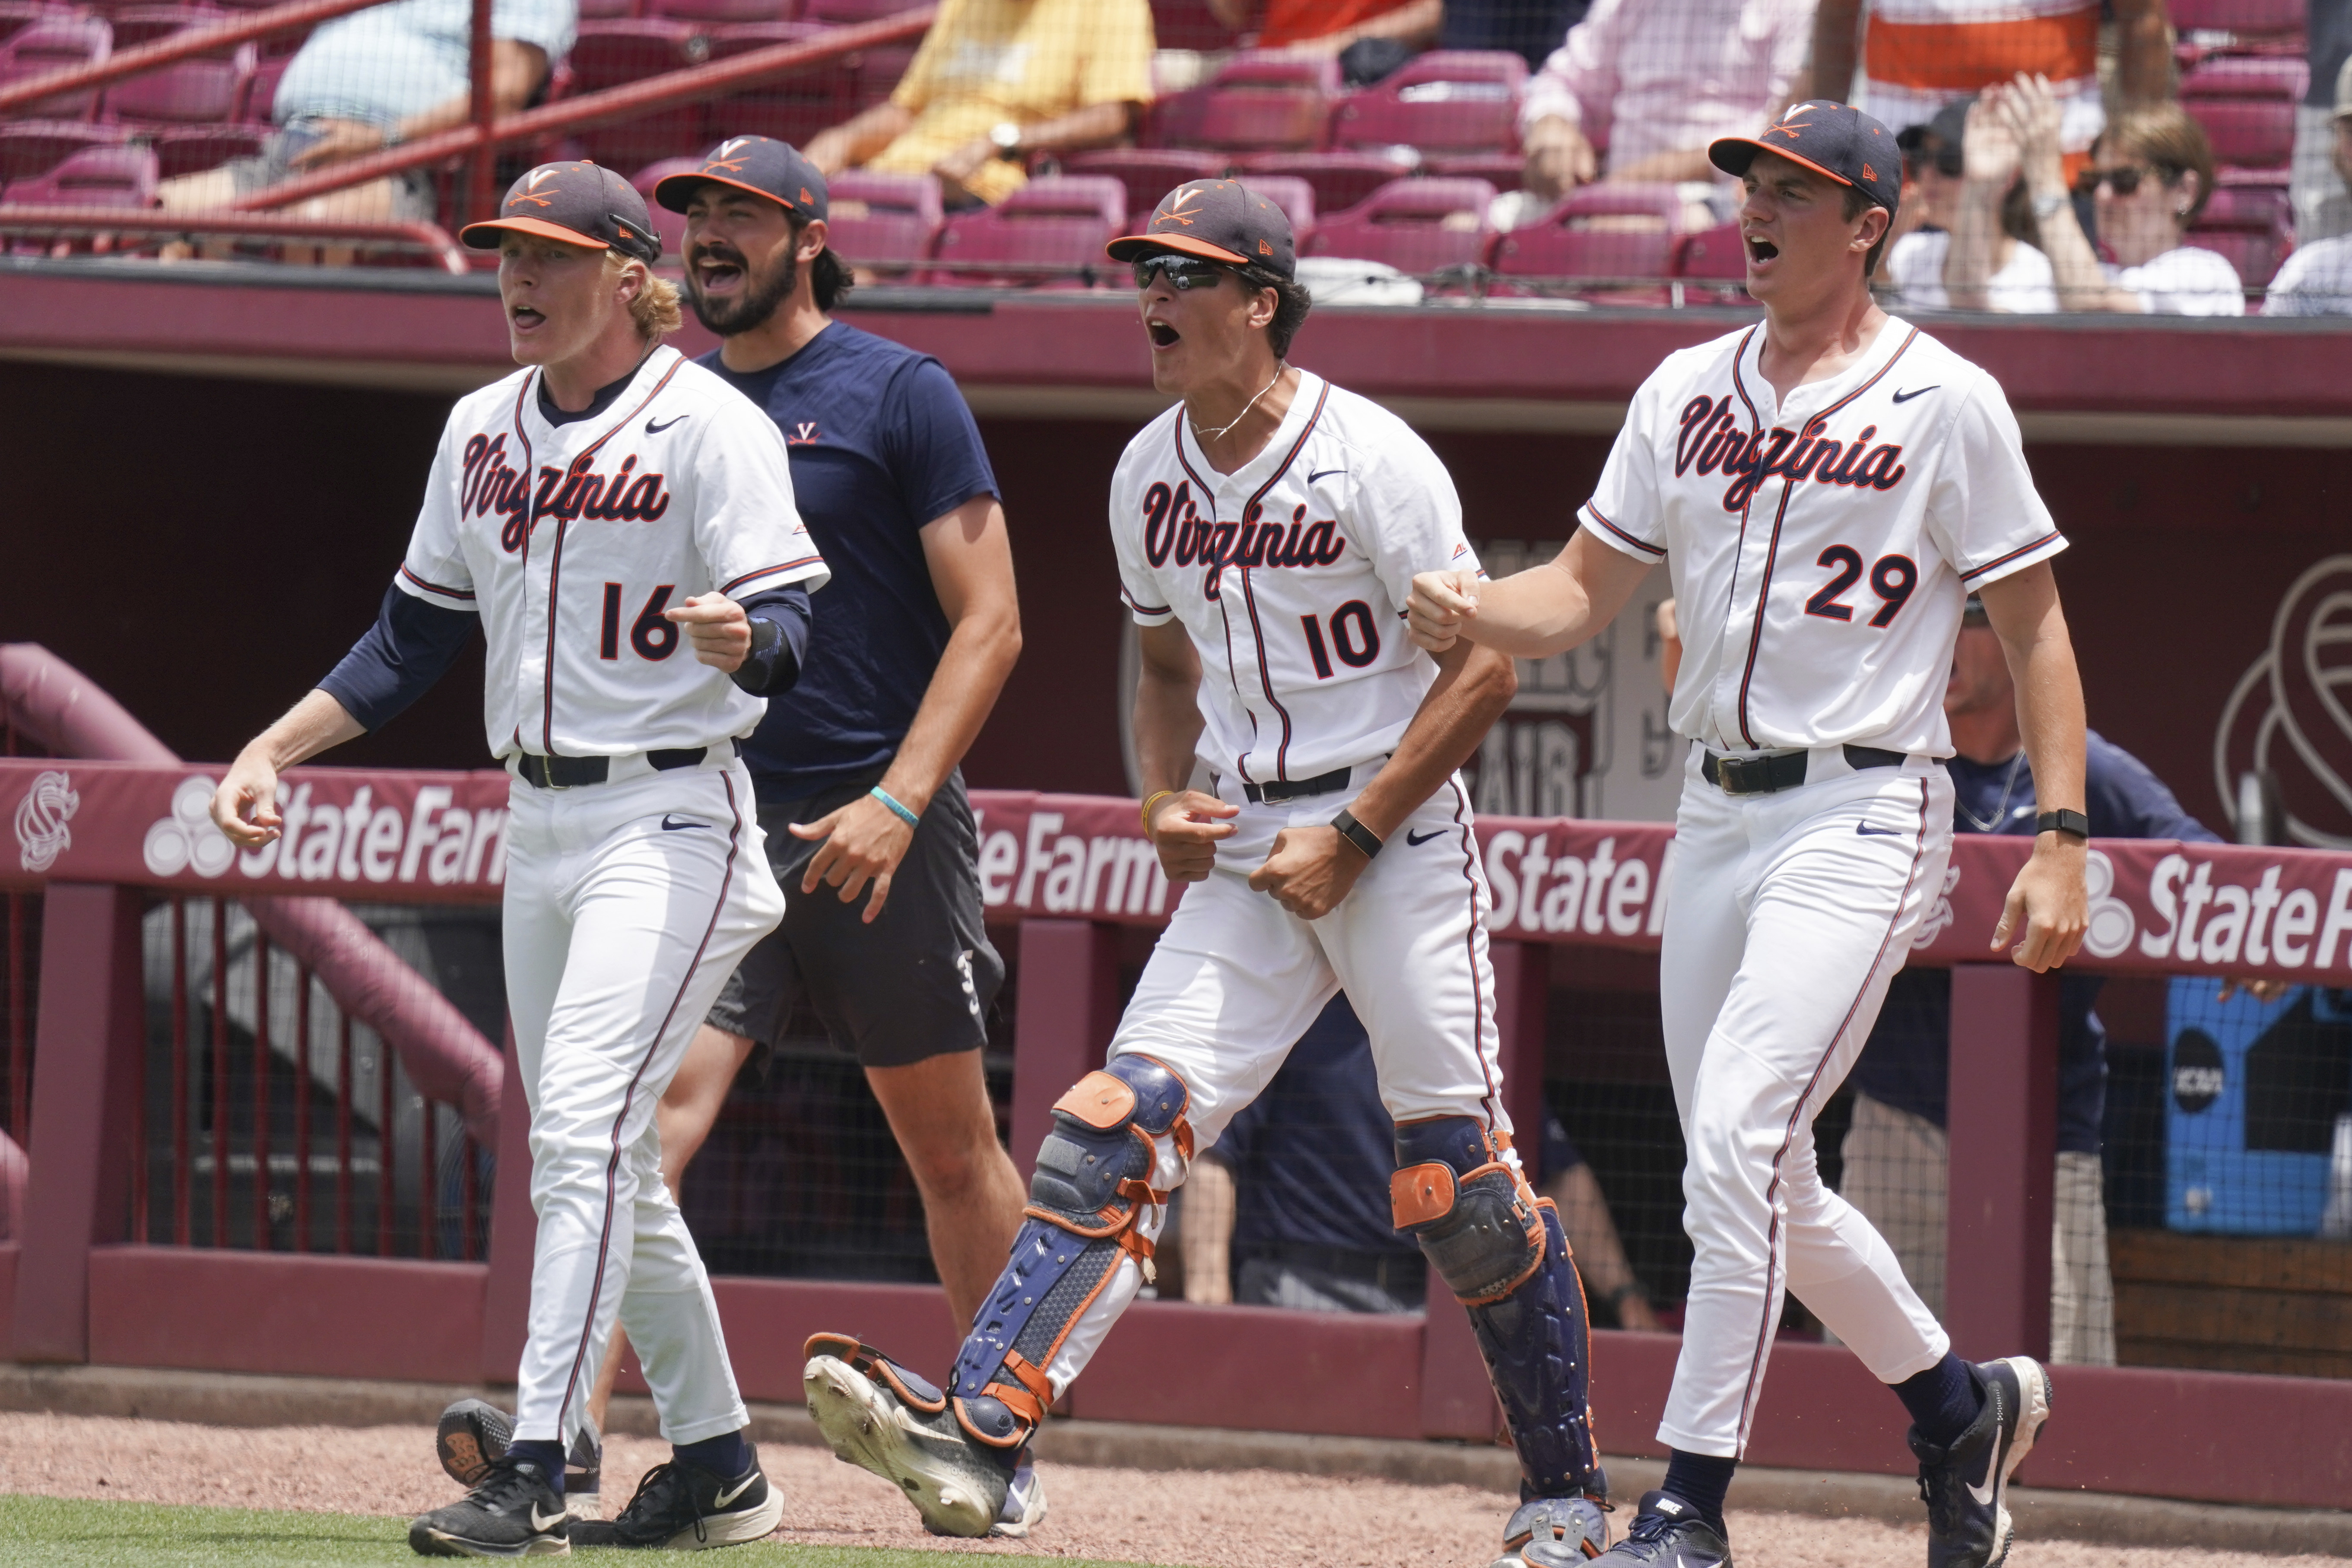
point(71, 1534)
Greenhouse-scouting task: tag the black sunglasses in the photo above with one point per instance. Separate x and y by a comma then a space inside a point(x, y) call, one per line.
point(1184, 272)
point(2125, 180)
point(1945, 160)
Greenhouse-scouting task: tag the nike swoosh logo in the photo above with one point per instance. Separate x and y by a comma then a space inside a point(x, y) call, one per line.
point(654, 429)
point(1411, 839)
point(1323, 474)
point(540, 1523)
point(670, 826)
point(725, 1497)
point(1866, 829)
point(1907, 396)
point(1983, 1494)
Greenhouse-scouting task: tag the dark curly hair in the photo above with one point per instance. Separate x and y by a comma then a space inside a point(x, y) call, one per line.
point(1291, 304)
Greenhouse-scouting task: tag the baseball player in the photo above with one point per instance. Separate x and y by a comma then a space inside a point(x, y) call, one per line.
point(856, 776)
point(604, 513)
point(1826, 487)
point(1267, 530)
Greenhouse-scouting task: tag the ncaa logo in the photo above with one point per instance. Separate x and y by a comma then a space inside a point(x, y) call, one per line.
point(187, 840)
point(41, 818)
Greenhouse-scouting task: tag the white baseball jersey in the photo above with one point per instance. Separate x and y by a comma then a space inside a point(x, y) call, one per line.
point(570, 540)
point(1291, 573)
point(1821, 553)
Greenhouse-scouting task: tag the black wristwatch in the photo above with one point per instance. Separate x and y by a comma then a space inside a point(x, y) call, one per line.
point(1357, 834)
point(2072, 821)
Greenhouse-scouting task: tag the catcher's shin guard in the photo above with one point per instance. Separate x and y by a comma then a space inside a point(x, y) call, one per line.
point(1119, 1145)
point(1504, 1254)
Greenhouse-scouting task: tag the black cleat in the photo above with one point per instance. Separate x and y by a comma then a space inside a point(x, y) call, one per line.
point(513, 1512)
point(473, 1433)
point(1966, 1486)
point(682, 1507)
point(1668, 1533)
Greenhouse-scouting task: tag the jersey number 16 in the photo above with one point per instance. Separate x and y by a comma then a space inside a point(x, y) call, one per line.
point(654, 639)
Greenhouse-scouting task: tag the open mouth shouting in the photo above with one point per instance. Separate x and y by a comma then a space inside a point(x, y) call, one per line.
point(719, 271)
point(525, 320)
point(1162, 335)
point(1760, 249)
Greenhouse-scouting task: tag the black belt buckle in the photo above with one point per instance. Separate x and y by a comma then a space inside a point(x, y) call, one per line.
point(1274, 792)
point(1754, 775)
point(564, 773)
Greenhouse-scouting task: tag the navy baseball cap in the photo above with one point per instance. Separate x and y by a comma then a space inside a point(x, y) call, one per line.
point(1833, 138)
point(1219, 220)
point(579, 204)
point(760, 165)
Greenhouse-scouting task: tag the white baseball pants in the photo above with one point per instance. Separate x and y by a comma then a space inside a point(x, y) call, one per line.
point(1790, 914)
point(628, 906)
point(1236, 979)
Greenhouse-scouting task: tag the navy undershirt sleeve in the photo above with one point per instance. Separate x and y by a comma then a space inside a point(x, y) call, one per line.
point(410, 645)
point(779, 633)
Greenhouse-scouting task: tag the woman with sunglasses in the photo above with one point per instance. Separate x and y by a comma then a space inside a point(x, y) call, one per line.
point(2151, 172)
point(1973, 249)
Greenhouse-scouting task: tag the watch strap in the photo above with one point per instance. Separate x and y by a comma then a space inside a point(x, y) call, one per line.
point(2072, 821)
point(1357, 834)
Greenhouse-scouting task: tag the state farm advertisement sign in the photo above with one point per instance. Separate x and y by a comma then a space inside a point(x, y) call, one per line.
point(2156, 907)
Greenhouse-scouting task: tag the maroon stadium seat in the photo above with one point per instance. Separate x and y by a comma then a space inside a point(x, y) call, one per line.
point(670, 226)
point(877, 72)
point(846, 11)
point(1189, 24)
point(2246, 104)
point(1267, 99)
point(897, 227)
point(608, 54)
point(15, 15)
point(792, 110)
point(192, 149)
point(1340, 180)
point(120, 177)
point(1504, 171)
point(30, 147)
point(1294, 195)
point(724, 11)
point(607, 10)
point(137, 24)
point(53, 44)
point(1148, 172)
point(2253, 225)
point(1450, 100)
point(1050, 230)
point(1418, 227)
point(201, 91)
point(261, 93)
point(1621, 234)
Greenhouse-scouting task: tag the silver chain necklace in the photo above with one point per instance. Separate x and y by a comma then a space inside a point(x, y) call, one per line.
point(1206, 436)
point(2001, 811)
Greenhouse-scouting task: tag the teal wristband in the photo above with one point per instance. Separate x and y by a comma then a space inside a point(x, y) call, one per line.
point(908, 817)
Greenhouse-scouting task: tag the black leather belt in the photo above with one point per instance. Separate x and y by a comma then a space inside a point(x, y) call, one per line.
point(1765, 775)
point(572, 773)
point(1274, 792)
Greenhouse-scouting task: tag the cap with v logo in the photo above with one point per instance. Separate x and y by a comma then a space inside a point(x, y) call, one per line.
point(1833, 139)
point(1221, 220)
point(579, 204)
point(760, 165)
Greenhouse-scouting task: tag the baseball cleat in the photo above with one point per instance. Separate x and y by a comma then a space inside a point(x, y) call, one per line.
point(1966, 1486)
point(957, 1486)
point(1024, 1502)
point(681, 1507)
point(512, 1512)
point(1668, 1533)
point(473, 1433)
point(1554, 1532)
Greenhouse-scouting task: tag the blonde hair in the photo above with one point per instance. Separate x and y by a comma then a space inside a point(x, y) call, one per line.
point(655, 309)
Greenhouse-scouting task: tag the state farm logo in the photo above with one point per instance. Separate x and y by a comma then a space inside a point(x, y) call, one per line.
point(2292, 711)
point(187, 840)
point(41, 818)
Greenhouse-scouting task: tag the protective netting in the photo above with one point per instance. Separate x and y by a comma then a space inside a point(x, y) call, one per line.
point(1504, 149)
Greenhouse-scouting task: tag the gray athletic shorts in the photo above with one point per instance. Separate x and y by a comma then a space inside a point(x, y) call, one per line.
point(916, 984)
point(414, 199)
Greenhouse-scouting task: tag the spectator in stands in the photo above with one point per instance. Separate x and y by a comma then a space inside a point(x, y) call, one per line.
point(996, 80)
point(1974, 250)
point(1328, 26)
point(1895, 1152)
point(2317, 279)
point(379, 76)
point(1920, 55)
point(1639, 88)
point(2323, 204)
point(2150, 176)
point(1528, 29)
point(1291, 1208)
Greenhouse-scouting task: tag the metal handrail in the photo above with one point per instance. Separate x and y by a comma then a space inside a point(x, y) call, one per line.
point(595, 108)
point(175, 48)
point(429, 237)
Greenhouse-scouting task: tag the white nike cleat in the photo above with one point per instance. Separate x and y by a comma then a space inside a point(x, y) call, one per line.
point(956, 1484)
point(1966, 1486)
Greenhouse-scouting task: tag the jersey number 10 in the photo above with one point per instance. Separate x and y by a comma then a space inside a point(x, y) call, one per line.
point(654, 639)
point(1354, 638)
